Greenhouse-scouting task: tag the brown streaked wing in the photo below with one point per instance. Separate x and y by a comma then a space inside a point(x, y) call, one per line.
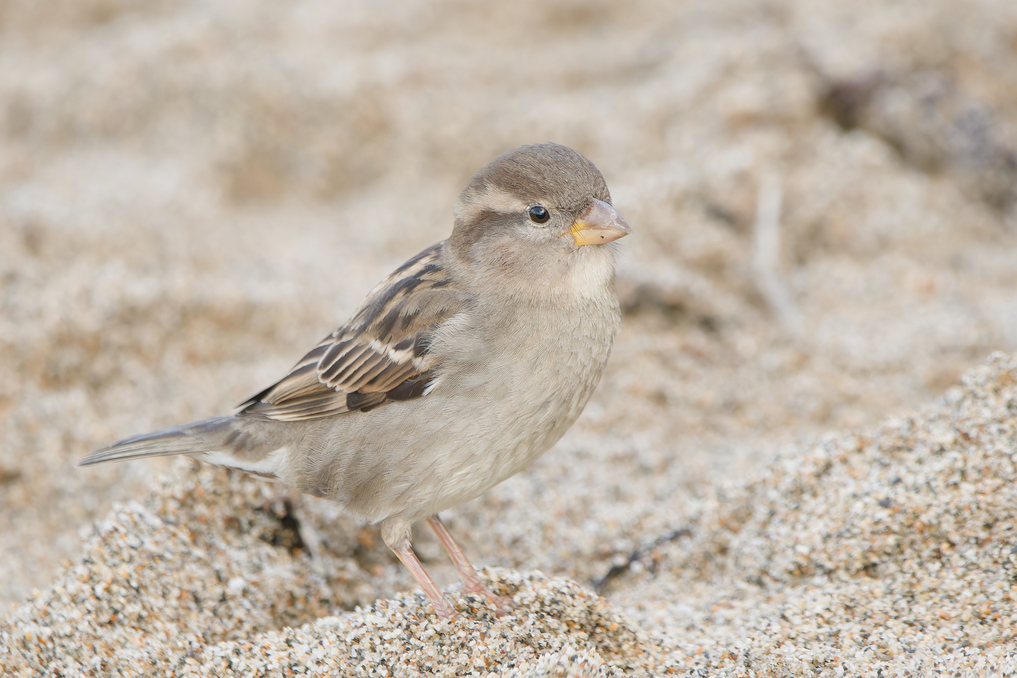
point(380, 356)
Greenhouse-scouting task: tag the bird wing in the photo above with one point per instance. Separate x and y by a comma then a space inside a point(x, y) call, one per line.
point(382, 355)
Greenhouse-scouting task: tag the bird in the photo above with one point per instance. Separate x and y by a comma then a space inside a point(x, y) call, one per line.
point(455, 373)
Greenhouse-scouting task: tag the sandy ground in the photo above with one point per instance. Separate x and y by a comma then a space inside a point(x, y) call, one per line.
point(825, 210)
point(885, 552)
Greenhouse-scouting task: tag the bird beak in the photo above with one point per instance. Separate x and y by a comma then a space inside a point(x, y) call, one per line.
point(598, 225)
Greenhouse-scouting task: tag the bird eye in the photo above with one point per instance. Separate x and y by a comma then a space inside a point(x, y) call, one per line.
point(539, 214)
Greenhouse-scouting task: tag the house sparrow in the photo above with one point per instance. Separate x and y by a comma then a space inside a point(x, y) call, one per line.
point(459, 370)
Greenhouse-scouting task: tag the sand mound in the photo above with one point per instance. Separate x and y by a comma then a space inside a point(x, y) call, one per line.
point(192, 582)
point(890, 553)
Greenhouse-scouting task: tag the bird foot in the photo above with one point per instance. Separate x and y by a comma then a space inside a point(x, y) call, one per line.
point(442, 609)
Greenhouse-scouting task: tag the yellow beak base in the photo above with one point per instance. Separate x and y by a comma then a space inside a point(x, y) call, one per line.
point(599, 225)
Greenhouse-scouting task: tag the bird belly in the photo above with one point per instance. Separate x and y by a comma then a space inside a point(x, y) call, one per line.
point(423, 469)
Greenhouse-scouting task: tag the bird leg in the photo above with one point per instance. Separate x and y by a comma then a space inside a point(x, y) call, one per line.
point(471, 580)
point(404, 551)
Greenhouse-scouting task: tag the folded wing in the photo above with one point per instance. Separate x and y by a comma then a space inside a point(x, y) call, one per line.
point(382, 355)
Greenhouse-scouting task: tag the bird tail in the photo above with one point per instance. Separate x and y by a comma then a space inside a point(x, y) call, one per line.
point(200, 437)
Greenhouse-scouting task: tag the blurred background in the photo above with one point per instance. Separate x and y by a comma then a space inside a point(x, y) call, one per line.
point(823, 194)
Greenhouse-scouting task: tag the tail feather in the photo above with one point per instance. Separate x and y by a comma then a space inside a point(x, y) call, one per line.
point(200, 437)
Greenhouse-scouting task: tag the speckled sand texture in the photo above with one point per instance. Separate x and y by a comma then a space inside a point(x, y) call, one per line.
point(186, 583)
point(892, 552)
